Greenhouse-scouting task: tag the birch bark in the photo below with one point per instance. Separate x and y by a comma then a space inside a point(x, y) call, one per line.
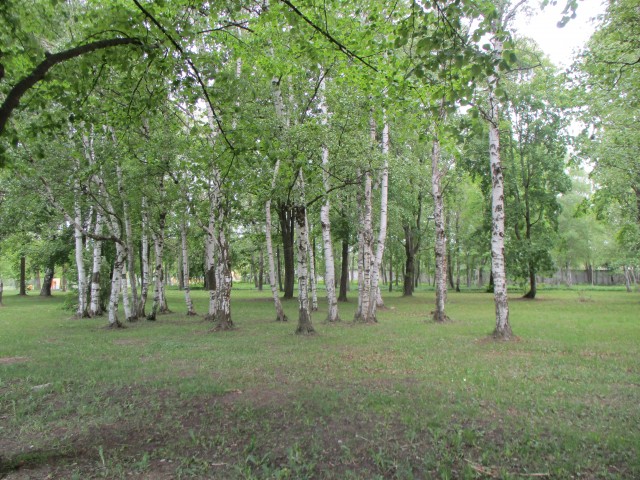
point(222, 312)
point(325, 222)
point(95, 308)
point(158, 274)
point(185, 269)
point(116, 233)
point(376, 297)
point(126, 304)
point(503, 328)
point(81, 311)
point(144, 260)
point(312, 268)
point(366, 240)
point(305, 326)
point(133, 315)
point(440, 248)
point(280, 316)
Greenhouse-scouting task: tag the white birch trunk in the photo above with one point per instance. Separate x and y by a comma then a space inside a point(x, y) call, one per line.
point(158, 274)
point(116, 281)
point(133, 313)
point(300, 214)
point(222, 311)
point(440, 248)
point(325, 222)
point(503, 329)
point(81, 311)
point(94, 304)
point(211, 262)
point(144, 254)
point(376, 297)
point(627, 278)
point(185, 269)
point(313, 281)
point(126, 304)
point(280, 316)
point(114, 227)
point(364, 290)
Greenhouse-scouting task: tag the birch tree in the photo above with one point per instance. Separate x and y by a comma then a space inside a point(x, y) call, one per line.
point(305, 327)
point(325, 222)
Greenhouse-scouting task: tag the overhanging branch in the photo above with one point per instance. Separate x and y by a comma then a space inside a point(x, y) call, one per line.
point(12, 100)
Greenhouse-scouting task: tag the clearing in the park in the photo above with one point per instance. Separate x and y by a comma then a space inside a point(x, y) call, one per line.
point(403, 398)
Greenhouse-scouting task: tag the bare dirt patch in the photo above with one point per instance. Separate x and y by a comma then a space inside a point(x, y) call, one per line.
point(12, 360)
point(129, 341)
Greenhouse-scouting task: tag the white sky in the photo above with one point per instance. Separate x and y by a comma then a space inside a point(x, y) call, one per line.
point(560, 43)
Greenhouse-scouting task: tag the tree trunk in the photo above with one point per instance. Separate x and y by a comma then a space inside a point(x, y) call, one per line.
point(627, 278)
point(390, 271)
point(115, 287)
point(376, 298)
point(531, 294)
point(144, 261)
point(185, 269)
point(222, 312)
point(313, 281)
point(126, 304)
point(366, 255)
point(37, 284)
point(45, 291)
point(440, 248)
point(158, 275)
point(180, 271)
point(81, 310)
point(409, 267)
point(128, 231)
point(278, 264)
point(210, 264)
point(286, 228)
point(23, 275)
point(305, 326)
point(363, 311)
point(1, 290)
point(280, 316)
point(95, 306)
point(260, 270)
point(503, 328)
point(325, 222)
point(344, 273)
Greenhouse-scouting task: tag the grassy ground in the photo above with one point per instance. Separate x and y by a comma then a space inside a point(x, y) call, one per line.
point(401, 399)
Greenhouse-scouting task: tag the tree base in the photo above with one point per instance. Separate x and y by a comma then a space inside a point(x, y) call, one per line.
point(503, 335)
point(305, 330)
point(365, 320)
point(440, 318)
point(283, 319)
point(117, 324)
point(132, 319)
point(192, 314)
point(223, 325)
point(530, 295)
point(332, 320)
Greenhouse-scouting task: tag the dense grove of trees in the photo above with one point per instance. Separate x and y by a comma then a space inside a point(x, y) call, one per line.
point(292, 141)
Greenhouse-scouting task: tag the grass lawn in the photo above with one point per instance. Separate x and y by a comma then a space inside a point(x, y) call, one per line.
point(401, 399)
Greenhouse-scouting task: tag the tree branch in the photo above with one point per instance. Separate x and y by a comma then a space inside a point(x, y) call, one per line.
point(12, 100)
point(327, 35)
point(191, 65)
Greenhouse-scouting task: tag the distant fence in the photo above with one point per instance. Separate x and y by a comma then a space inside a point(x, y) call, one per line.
point(584, 277)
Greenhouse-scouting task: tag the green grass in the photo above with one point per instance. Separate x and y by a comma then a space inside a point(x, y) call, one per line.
point(401, 399)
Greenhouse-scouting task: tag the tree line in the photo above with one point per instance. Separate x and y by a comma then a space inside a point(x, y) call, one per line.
point(417, 130)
